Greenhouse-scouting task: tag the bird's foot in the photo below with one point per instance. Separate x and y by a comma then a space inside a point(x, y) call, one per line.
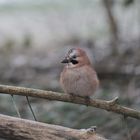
point(87, 100)
point(71, 96)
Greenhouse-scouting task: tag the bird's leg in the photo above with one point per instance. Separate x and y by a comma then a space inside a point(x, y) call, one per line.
point(87, 100)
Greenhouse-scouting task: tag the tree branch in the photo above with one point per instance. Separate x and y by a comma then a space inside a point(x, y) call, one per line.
point(107, 105)
point(12, 128)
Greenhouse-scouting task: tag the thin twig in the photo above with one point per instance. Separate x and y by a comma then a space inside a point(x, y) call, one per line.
point(107, 105)
point(127, 128)
point(15, 106)
point(31, 108)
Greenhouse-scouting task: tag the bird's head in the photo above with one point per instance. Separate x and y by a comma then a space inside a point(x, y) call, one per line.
point(76, 57)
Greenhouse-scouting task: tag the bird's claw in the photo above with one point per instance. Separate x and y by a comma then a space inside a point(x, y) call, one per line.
point(87, 100)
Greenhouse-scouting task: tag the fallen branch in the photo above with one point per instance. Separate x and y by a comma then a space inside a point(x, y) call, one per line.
point(12, 128)
point(107, 105)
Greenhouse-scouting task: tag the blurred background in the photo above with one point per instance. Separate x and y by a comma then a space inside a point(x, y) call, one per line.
point(34, 38)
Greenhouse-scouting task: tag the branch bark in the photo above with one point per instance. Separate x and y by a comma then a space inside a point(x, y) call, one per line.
point(12, 128)
point(102, 104)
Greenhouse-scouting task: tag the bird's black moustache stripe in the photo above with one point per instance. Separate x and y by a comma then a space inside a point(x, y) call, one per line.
point(74, 62)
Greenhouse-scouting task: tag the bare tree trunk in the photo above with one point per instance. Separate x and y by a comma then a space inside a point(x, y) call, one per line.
point(12, 128)
point(112, 24)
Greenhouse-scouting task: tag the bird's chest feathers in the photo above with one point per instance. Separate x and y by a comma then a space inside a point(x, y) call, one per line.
point(72, 75)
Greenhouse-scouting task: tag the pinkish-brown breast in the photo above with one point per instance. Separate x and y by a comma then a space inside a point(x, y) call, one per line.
point(81, 81)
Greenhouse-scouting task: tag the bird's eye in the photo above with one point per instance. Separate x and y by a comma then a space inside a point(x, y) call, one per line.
point(74, 56)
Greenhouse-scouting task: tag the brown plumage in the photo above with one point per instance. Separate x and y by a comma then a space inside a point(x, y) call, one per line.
point(78, 77)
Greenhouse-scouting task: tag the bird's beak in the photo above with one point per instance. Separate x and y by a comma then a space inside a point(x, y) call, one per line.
point(65, 60)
